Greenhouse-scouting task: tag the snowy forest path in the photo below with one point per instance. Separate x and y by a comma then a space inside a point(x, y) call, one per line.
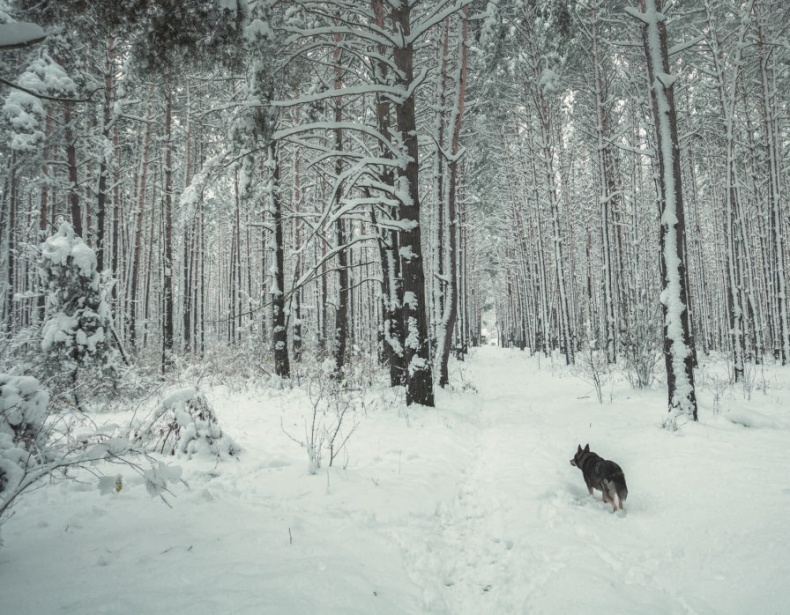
point(482, 563)
point(521, 514)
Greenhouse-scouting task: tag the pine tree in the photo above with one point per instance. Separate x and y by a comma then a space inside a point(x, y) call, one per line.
point(77, 330)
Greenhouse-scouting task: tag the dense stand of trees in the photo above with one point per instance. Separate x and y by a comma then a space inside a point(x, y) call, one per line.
point(641, 157)
point(352, 179)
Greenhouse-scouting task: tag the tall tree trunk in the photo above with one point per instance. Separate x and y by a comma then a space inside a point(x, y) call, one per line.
point(43, 219)
point(542, 277)
point(137, 258)
point(450, 314)
point(610, 194)
point(296, 295)
point(105, 154)
point(188, 258)
point(234, 275)
point(10, 196)
point(117, 204)
point(282, 366)
point(167, 284)
point(677, 340)
point(71, 164)
point(419, 377)
point(149, 263)
point(389, 240)
point(340, 337)
point(202, 293)
point(438, 281)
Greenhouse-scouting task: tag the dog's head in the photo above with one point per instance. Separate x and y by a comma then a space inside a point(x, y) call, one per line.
point(579, 454)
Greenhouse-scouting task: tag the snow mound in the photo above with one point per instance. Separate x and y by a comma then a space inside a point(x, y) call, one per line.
point(185, 425)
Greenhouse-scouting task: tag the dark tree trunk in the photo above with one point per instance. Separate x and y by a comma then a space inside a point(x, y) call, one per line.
point(419, 376)
point(340, 337)
point(71, 165)
point(104, 155)
point(137, 259)
point(10, 197)
point(167, 286)
point(282, 366)
point(450, 314)
point(677, 339)
point(389, 246)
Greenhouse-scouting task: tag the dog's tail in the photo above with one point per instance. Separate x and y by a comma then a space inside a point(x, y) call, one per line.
point(620, 487)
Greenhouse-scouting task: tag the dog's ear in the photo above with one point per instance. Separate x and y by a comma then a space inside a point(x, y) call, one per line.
point(587, 448)
point(580, 449)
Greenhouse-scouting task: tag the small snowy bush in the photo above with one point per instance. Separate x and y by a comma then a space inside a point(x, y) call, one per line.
point(641, 350)
point(185, 425)
point(23, 409)
point(37, 444)
point(332, 419)
point(593, 367)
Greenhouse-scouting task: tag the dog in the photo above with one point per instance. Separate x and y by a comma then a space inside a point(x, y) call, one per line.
point(601, 474)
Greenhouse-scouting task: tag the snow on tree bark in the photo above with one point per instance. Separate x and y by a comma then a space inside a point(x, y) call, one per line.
point(419, 376)
point(282, 366)
point(389, 241)
point(677, 339)
point(450, 313)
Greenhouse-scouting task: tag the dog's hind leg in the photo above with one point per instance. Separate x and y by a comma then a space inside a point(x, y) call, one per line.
point(622, 494)
point(608, 493)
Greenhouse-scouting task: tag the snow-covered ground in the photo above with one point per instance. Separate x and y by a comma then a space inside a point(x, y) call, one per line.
point(468, 508)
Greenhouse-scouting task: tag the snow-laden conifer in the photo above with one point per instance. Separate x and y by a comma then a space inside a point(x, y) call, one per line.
point(77, 329)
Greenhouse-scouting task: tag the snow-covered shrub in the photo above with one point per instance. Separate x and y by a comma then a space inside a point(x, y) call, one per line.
point(23, 409)
point(333, 416)
point(641, 350)
point(236, 366)
point(77, 329)
point(593, 367)
point(185, 425)
point(37, 444)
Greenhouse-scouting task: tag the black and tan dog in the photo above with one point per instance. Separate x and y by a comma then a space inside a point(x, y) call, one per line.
point(601, 474)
